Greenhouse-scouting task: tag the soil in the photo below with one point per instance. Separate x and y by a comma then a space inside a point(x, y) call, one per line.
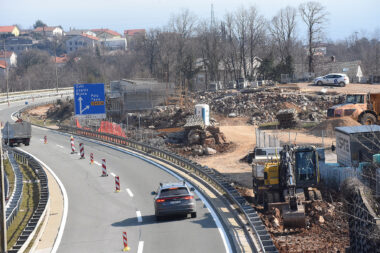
point(350, 88)
point(40, 111)
point(328, 126)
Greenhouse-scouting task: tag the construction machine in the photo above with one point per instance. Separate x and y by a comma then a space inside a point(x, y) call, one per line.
point(362, 107)
point(288, 182)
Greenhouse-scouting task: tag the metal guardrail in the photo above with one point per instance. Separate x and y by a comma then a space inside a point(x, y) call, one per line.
point(34, 95)
point(40, 212)
point(6, 187)
point(15, 199)
point(210, 175)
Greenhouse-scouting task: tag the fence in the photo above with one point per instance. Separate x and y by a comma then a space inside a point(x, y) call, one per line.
point(266, 140)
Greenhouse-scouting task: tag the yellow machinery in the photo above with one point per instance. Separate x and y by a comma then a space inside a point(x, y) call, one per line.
point(288, 182)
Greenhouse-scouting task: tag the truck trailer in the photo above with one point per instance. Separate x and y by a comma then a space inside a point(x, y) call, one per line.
point(17, 132)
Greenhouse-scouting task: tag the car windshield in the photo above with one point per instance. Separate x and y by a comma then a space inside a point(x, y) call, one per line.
point(175, 191)
point(355, 99)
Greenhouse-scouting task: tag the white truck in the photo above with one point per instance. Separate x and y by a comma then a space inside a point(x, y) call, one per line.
point(17, 132)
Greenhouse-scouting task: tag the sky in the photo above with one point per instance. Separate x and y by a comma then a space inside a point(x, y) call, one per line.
point(345, 16)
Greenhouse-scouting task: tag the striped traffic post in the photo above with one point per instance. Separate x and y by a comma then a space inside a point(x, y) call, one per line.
point(45, 139)
point(81, 148)
point(72, 145)
point(91, 158)
point(125, 242)
point(117, 183)
point(104, 168)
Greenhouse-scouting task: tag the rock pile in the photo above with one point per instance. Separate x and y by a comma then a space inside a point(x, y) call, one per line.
point(263, 105)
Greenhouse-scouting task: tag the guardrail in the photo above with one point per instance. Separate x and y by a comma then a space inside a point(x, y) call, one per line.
point(14, 202)
point(40, 212)
point(13, 98)
point(210, 175)
point(6, 187)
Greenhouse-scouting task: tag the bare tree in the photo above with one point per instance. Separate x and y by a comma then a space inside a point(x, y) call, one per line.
point(314, 15)
point(282, 30)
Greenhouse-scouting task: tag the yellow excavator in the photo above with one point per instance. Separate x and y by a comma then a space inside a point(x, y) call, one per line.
point(288, 182)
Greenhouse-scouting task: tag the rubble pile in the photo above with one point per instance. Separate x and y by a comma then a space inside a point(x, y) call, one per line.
point(287, 118)
point(326, 230)
point(263, 105)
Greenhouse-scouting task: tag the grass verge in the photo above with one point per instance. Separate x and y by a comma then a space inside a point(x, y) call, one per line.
point(29, 203)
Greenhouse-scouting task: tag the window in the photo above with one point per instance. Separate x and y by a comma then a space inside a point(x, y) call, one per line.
point(84, 44)
point(76, 43)
point(71, 49)
point(174, 192)
point(355, 99)
point(71, 43)
point(305, 166)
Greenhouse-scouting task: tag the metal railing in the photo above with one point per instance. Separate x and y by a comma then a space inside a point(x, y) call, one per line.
point(210, 175)
point(14, 202)
point(40, 212)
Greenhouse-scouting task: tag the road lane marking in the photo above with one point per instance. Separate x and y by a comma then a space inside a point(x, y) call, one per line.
point(140, 247)
point(139, 217)
point(113, 174)
point(97, 163)
point(130, 193)
point(59, 146)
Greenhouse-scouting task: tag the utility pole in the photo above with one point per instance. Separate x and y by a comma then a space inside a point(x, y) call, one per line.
point(55, 61)
point(3, 227)
point(6, 71)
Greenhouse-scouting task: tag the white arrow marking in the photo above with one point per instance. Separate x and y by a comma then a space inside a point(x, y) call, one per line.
point(140, 247)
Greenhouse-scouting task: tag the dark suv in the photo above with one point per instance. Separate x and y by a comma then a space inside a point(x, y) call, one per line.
point(173, 199)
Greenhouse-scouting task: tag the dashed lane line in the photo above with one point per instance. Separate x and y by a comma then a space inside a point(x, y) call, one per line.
point(130, 192)
point(60, 146)
point(140, 247)
point(97, 163)
point(113, 174)
point(139, 217)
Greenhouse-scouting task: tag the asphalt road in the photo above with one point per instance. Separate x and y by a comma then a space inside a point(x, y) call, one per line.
point(97, 215)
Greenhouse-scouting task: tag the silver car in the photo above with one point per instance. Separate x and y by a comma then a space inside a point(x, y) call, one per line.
point(173, 199)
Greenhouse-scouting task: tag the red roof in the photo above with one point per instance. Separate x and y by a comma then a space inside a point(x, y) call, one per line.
point(89, 36)
point(45, 28)
point(106, 31)
point(8, 54)
point(134, 32)
point(3, 64)
point(62, 59)
point(7, 29)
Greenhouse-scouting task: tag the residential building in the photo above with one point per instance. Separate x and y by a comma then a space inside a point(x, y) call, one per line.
point(76, 32)
point(9, 57)
point(133, 37)
point(3, 68)
point(114, 43)
point(18, 44)
point(106, 34)
point(81, 41)
point(49, 31)
point(60, 60)
point(9, 31)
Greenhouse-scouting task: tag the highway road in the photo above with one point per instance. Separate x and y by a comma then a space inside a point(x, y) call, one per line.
point(97, 215)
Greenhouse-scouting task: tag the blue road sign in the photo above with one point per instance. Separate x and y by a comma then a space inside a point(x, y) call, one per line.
point(90, 100)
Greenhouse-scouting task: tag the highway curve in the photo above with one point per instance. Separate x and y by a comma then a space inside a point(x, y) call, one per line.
point(97, 215)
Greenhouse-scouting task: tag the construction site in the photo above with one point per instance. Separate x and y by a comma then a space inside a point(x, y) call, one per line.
point(307, 164)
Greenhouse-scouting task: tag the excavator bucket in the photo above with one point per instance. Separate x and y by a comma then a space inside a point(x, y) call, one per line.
point(294, 218)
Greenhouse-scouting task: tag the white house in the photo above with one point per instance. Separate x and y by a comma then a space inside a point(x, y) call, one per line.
point(81, 41)
point(49, 30)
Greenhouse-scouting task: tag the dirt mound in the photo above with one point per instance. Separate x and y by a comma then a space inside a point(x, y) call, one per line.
point(328, 126)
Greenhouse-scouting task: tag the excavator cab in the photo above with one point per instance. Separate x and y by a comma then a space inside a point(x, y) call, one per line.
point(306, 167)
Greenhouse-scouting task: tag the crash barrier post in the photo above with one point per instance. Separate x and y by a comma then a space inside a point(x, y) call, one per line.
point(104, 168)
point(125, 242)
point(72, 144)
point(117, 183)
point(91, 158)
point(81, 148)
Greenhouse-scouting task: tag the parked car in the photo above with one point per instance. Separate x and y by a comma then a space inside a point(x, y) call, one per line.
point(174, 199)
point(332, 79)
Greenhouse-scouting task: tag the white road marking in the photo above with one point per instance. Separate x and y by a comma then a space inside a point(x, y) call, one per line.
point(65, 204)
point(97, 163)
point(140, 247)
point(130, 193)
point(139, 217)
point(59, 146)
point(41, 139)
point(113, 174)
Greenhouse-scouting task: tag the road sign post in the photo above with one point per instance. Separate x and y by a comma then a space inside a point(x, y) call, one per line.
point(89, 101)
